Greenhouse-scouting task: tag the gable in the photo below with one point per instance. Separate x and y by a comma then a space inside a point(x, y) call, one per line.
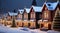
point(24, 11)
point(21, 11)
point(37, 8)
point(27, 10)
point(51, 6)
point(32, 10)
point(11, 13)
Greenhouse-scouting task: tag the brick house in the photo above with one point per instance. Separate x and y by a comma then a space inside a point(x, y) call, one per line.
point(49, 10)
point(48, 14)
point(26, 17)
point(19, 19)
point(9, 17)
point(35, 14)
point(20, 14)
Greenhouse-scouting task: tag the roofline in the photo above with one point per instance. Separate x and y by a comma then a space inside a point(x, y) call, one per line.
point(45, 4)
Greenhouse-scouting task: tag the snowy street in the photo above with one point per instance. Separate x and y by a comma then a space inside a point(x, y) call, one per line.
point(4, 29)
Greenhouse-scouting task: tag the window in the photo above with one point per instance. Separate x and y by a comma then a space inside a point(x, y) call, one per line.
point(32, 15)
point(8, 18)
point(20, 16)
point(25, 16)
point(49, 4)
point(45, 14)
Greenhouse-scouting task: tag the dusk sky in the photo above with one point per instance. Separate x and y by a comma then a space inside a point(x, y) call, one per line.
point(10, 5)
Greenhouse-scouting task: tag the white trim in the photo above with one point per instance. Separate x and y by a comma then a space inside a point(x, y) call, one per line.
point(41, 20)
point(31, 20)
point(45, 20)
point(25, 20)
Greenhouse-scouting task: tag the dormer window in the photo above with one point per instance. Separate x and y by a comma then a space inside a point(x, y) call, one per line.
point(21, 11)
point(46, 14)
point(49, 4)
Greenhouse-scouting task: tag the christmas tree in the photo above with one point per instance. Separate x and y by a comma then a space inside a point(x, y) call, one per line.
point(56, 21)
point(13, 22)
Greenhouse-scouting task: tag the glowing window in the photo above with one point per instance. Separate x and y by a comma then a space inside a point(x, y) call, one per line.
point(32, 15)
point(25, 16)
point(45, 14)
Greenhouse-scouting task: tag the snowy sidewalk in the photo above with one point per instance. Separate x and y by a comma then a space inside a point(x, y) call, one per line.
point(52, 31)
point(4, 29)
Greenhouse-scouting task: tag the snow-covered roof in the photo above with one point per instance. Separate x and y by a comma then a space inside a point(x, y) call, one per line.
point(12, 13)
point(27, 10)
point(37, 8)
point(51, 6)
point(21, 11)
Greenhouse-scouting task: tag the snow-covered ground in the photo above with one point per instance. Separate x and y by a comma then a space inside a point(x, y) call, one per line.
point(52, 31)
point(4, 29)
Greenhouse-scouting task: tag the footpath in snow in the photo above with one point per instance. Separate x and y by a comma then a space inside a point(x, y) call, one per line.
point(4, 29)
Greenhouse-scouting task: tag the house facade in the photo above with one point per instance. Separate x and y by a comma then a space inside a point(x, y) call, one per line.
point(20, 14)
point(49, 10)
point(26, 17)
point(48, 14)
point(38, 14)
point(32, 14)
point(35, 15)
point(10, 16)
point(19, 18)
point(26, 13)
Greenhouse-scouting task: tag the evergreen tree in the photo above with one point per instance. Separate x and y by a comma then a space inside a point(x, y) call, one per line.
point(13, 22)
point(5, 22)
point(56, 21)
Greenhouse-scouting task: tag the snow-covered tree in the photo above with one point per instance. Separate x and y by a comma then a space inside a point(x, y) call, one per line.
point(56, 21)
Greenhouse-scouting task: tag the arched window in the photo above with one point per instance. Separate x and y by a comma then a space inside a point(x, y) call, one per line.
point(25, 16)
point(32, 15)
point(46, 13)
point(19, 16)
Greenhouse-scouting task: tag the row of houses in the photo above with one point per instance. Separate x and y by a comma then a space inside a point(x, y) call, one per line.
point(37, 15)
point(38, 12)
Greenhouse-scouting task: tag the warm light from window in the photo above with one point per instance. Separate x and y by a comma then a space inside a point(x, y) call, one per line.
point(32, 15)
point(46, 25)
point(19, 16)
point(25, 15)
point(45, 14)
